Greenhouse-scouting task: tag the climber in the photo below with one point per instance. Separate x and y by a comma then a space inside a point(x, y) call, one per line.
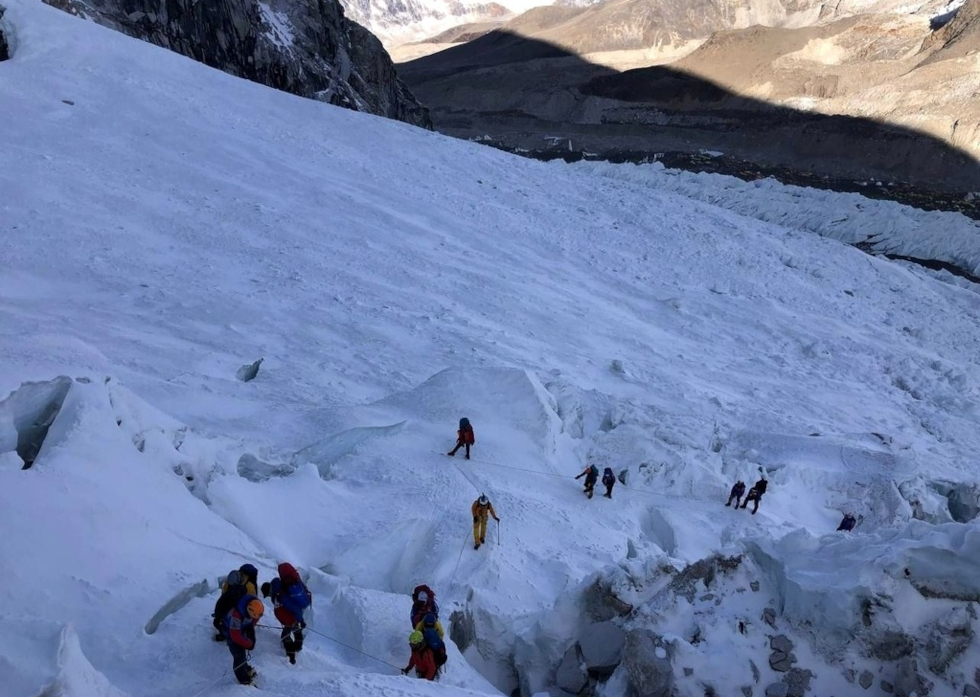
point(480, 509)
point(464, 437)
point(290, 597)
point(591, 474)
point(848, 523)
point(738, 489)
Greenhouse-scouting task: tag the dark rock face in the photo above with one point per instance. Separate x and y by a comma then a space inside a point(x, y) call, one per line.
point(601, 603)
point(306, 47)
point(4, 46)
point(647, 658)
point(602, 648)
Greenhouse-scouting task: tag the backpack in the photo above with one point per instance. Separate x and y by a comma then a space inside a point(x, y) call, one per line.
point(438, 646)
point(593, 472)
point(608, 477)
point(419, 609)
point(422, 587)
point(234, 578)
point(297, 594)
point(464, 424)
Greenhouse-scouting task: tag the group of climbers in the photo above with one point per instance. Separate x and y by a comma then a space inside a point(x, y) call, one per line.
point(591, 474)
point(427, 637)
point(754, 495)
point(238, 611)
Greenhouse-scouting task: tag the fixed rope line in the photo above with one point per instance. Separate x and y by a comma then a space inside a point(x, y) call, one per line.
point(220, 678)
point(210, 685)
point(337, 641)
point(452, 580)
point(466, 476)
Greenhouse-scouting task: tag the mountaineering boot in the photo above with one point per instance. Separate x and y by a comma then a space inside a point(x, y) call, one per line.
point(292, 658)
point(467, 457)
point(451, 454)
point(482, 540)
point(249, 676)
point(476, 546)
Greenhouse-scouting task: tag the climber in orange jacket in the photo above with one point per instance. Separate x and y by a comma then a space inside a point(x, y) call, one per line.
point(481, 508)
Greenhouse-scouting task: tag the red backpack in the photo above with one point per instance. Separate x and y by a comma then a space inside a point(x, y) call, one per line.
point(466, 434)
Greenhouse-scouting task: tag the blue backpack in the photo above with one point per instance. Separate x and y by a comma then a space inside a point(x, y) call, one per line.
point(608, 477)
point(299, 596)
point(435, 642)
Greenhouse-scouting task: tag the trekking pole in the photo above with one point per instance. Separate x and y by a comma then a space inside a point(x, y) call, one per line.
point(498, 533)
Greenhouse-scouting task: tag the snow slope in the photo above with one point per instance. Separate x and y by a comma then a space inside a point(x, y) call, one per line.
point(165, 224)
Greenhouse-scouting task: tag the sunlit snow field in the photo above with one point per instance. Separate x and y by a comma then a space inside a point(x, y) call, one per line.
point(174, 224)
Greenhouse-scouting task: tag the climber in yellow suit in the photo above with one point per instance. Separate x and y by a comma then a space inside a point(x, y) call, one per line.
point(480, 508)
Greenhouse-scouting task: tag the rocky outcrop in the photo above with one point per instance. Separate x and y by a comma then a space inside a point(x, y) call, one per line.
point(602, 648)
point(601, 602)
point(571, 675)
point(306, 47)
point(4, 46)
point(958, 38)
point(646, 657)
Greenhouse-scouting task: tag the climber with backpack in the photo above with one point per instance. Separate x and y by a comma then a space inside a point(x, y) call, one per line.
point(423, 603)
point(241, 635)
point(290, 597)
point(236, 585)
point(848, 523)
point(591, 474)
point(464, 436)
point(422, 658)
point(481, 508)
point(738, 489)
point(609, 481)
point(755, 495)
point(433, 635)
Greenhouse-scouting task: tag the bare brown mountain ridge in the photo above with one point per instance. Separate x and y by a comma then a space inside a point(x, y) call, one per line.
point(800, 70)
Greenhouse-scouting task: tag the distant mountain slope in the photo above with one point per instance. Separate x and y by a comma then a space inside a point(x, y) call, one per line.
point(399, 21)
point(618, 25)
point(867, 65)
point(305, 47)
point(959, 38)
point(654, 76)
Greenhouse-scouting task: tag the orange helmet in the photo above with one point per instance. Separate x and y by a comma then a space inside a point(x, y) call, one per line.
point(255, 608)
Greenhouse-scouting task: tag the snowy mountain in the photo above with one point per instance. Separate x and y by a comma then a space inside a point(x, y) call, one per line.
point(240, 326)
point(402, 21)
